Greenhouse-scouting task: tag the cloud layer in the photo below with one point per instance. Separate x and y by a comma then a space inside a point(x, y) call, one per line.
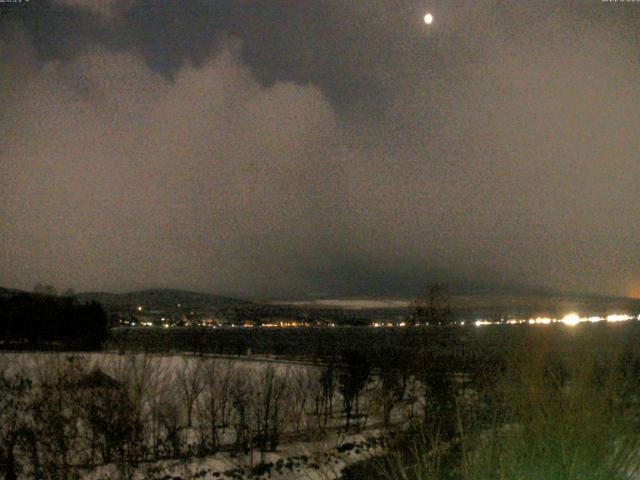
point(331, 149)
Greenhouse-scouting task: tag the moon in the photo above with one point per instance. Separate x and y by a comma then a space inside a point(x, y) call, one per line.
point(428, 19)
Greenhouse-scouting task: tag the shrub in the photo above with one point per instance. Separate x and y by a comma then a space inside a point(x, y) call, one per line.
point(555, 414)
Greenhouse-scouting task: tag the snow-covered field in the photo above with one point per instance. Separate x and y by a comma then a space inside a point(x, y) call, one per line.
point(37, 365)
point(321, 460)
point(139, 416)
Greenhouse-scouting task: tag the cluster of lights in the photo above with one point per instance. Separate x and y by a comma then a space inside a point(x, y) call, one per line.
point(388, 324)
point(572, 319)
point(166, 322)
point(285, 324)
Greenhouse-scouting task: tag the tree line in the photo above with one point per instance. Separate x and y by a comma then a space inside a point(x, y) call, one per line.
point(39, 320)
point(62, 415)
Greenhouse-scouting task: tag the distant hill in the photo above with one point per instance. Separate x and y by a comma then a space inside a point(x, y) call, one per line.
point(160, 298)
point(466, 305)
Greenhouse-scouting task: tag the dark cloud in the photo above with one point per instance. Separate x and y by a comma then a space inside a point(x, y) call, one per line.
point(275, 148)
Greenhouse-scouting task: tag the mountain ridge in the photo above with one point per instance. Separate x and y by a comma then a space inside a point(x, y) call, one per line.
point(464, 305)
point(162, 297)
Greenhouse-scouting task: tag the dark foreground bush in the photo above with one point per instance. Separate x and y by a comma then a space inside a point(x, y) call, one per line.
point(33, 320)
point(554, 415)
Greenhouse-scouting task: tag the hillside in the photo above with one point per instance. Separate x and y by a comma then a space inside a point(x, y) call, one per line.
point(464, 305)
point(159, 298)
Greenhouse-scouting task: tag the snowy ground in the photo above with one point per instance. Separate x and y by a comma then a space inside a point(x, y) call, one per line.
point(297, 457)
point(34, 363)
point(303, 460)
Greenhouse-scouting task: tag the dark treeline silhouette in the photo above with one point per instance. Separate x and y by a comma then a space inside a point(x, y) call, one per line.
point(45, 321)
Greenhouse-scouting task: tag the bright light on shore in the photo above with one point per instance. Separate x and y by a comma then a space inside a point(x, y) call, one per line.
point(480, 323)
point(543, 321)
point(572, 319)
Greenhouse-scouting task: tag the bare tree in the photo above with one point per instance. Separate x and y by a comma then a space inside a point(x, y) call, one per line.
point(112, 418)
point(354, 375)
point(271, 408)
point(55, 418)
point(241, 395)
point(391, 391)
point(190, 382)
point(432, 308)
point(169, 419)
point(328, 382)
point(13, 422)
point(213, 408)
point(305, 386)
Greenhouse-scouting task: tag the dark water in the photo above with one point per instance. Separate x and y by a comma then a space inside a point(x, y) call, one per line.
point(468, 343)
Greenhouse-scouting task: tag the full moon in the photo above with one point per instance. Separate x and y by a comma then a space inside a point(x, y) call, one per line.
point(428, 19)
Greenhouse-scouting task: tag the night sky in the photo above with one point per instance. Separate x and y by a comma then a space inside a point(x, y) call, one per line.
point(290, 148)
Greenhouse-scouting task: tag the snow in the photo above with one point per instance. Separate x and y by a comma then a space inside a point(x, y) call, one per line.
point(302, 460)
point(297, 456)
